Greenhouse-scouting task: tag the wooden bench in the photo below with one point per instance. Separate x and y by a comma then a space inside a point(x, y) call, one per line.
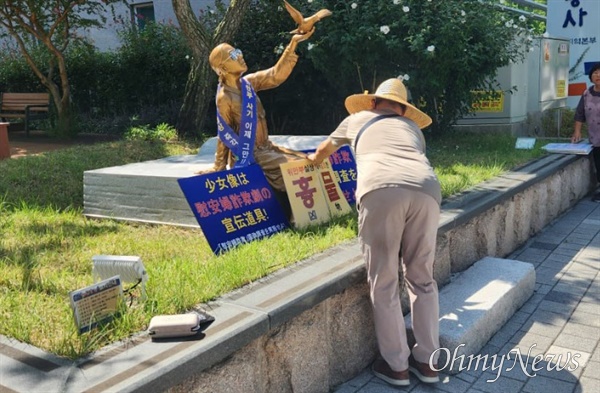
point(27, 106)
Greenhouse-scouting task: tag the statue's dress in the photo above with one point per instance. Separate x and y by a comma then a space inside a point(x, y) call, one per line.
point(266, 154)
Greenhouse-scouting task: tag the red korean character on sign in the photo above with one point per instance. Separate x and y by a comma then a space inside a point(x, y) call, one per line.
point(306, 193)
point(346, 156)
point(214, 206)
point(330, 187)
point(236, 200)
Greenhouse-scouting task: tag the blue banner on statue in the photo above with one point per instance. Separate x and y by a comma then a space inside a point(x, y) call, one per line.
point(234, 207)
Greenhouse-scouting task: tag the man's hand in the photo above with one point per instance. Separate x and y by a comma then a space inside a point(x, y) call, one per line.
point(576, 136)
point(324, 150)
point(313, 157)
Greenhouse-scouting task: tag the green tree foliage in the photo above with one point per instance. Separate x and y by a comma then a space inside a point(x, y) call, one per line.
point(51, 26)
point(159, 76)
point(527, 6)
point(15, 73)
point(140, 83)
point(153, 63)
point(442, 49)
point(305, 104)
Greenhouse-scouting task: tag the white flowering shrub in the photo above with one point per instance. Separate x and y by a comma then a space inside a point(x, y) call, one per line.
point(448, 48)
point(442, 49)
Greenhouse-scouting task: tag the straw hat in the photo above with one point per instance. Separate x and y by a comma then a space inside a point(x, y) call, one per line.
point(393, 90)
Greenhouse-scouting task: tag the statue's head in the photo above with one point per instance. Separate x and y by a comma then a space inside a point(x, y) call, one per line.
point(225, 59)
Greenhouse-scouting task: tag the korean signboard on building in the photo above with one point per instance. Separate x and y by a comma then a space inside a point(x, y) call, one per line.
point(579, 22)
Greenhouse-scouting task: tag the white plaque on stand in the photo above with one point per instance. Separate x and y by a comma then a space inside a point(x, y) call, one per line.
point(97, 303)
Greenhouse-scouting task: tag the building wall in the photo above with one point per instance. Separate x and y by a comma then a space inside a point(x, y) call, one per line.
point(107, 39)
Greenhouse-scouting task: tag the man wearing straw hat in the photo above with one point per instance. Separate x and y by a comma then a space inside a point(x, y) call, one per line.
point(398, 200)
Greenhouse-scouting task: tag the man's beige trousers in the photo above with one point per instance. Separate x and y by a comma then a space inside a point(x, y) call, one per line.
point(397, 221)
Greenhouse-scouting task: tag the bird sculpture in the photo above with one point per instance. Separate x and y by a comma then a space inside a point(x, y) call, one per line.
point(305, 24)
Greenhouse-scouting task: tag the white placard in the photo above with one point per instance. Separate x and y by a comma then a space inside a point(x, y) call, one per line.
point(569, 148)
point(525, 143)
point(96, 303)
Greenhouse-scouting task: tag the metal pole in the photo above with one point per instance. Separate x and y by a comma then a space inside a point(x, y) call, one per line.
point(559, 121)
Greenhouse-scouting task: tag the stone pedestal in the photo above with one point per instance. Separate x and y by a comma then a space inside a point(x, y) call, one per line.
point(148, 191)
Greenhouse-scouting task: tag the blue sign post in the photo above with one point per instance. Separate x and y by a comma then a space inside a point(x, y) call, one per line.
point(234, 207)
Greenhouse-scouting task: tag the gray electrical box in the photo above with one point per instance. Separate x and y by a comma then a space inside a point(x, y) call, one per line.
point(507, 110)
point(526, 89)
point(550, 61)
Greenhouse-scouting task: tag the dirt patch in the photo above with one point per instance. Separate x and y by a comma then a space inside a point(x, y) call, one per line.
point(38, 142)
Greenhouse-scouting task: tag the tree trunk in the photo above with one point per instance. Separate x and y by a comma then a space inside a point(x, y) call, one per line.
point(61, 96)
point(199, 89)
point(198, 92)
point(65, 126)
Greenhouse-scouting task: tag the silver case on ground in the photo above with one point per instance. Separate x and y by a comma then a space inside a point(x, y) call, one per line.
point(180, 325)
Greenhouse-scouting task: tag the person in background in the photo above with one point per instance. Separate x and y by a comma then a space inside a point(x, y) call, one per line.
point(588, 111)
point(398, 200)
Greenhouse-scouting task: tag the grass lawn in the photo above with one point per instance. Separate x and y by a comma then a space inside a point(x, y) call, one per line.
point(46, 245)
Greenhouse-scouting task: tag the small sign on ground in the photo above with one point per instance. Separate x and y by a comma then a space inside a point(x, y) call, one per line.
point(97, 303)
point(525, 143)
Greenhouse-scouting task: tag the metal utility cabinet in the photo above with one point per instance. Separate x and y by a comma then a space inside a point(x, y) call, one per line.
point(526, 90)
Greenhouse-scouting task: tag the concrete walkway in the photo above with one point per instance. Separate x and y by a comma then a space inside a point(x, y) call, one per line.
point(561, 319)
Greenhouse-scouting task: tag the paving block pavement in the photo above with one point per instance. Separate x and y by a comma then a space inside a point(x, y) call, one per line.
point(552, 342)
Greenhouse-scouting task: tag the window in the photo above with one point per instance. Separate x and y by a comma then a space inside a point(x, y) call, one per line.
point(142, 14)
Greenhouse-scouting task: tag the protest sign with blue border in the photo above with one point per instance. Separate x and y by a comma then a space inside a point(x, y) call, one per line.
point(313, 191)
point(344, 165)
point(234, 206)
